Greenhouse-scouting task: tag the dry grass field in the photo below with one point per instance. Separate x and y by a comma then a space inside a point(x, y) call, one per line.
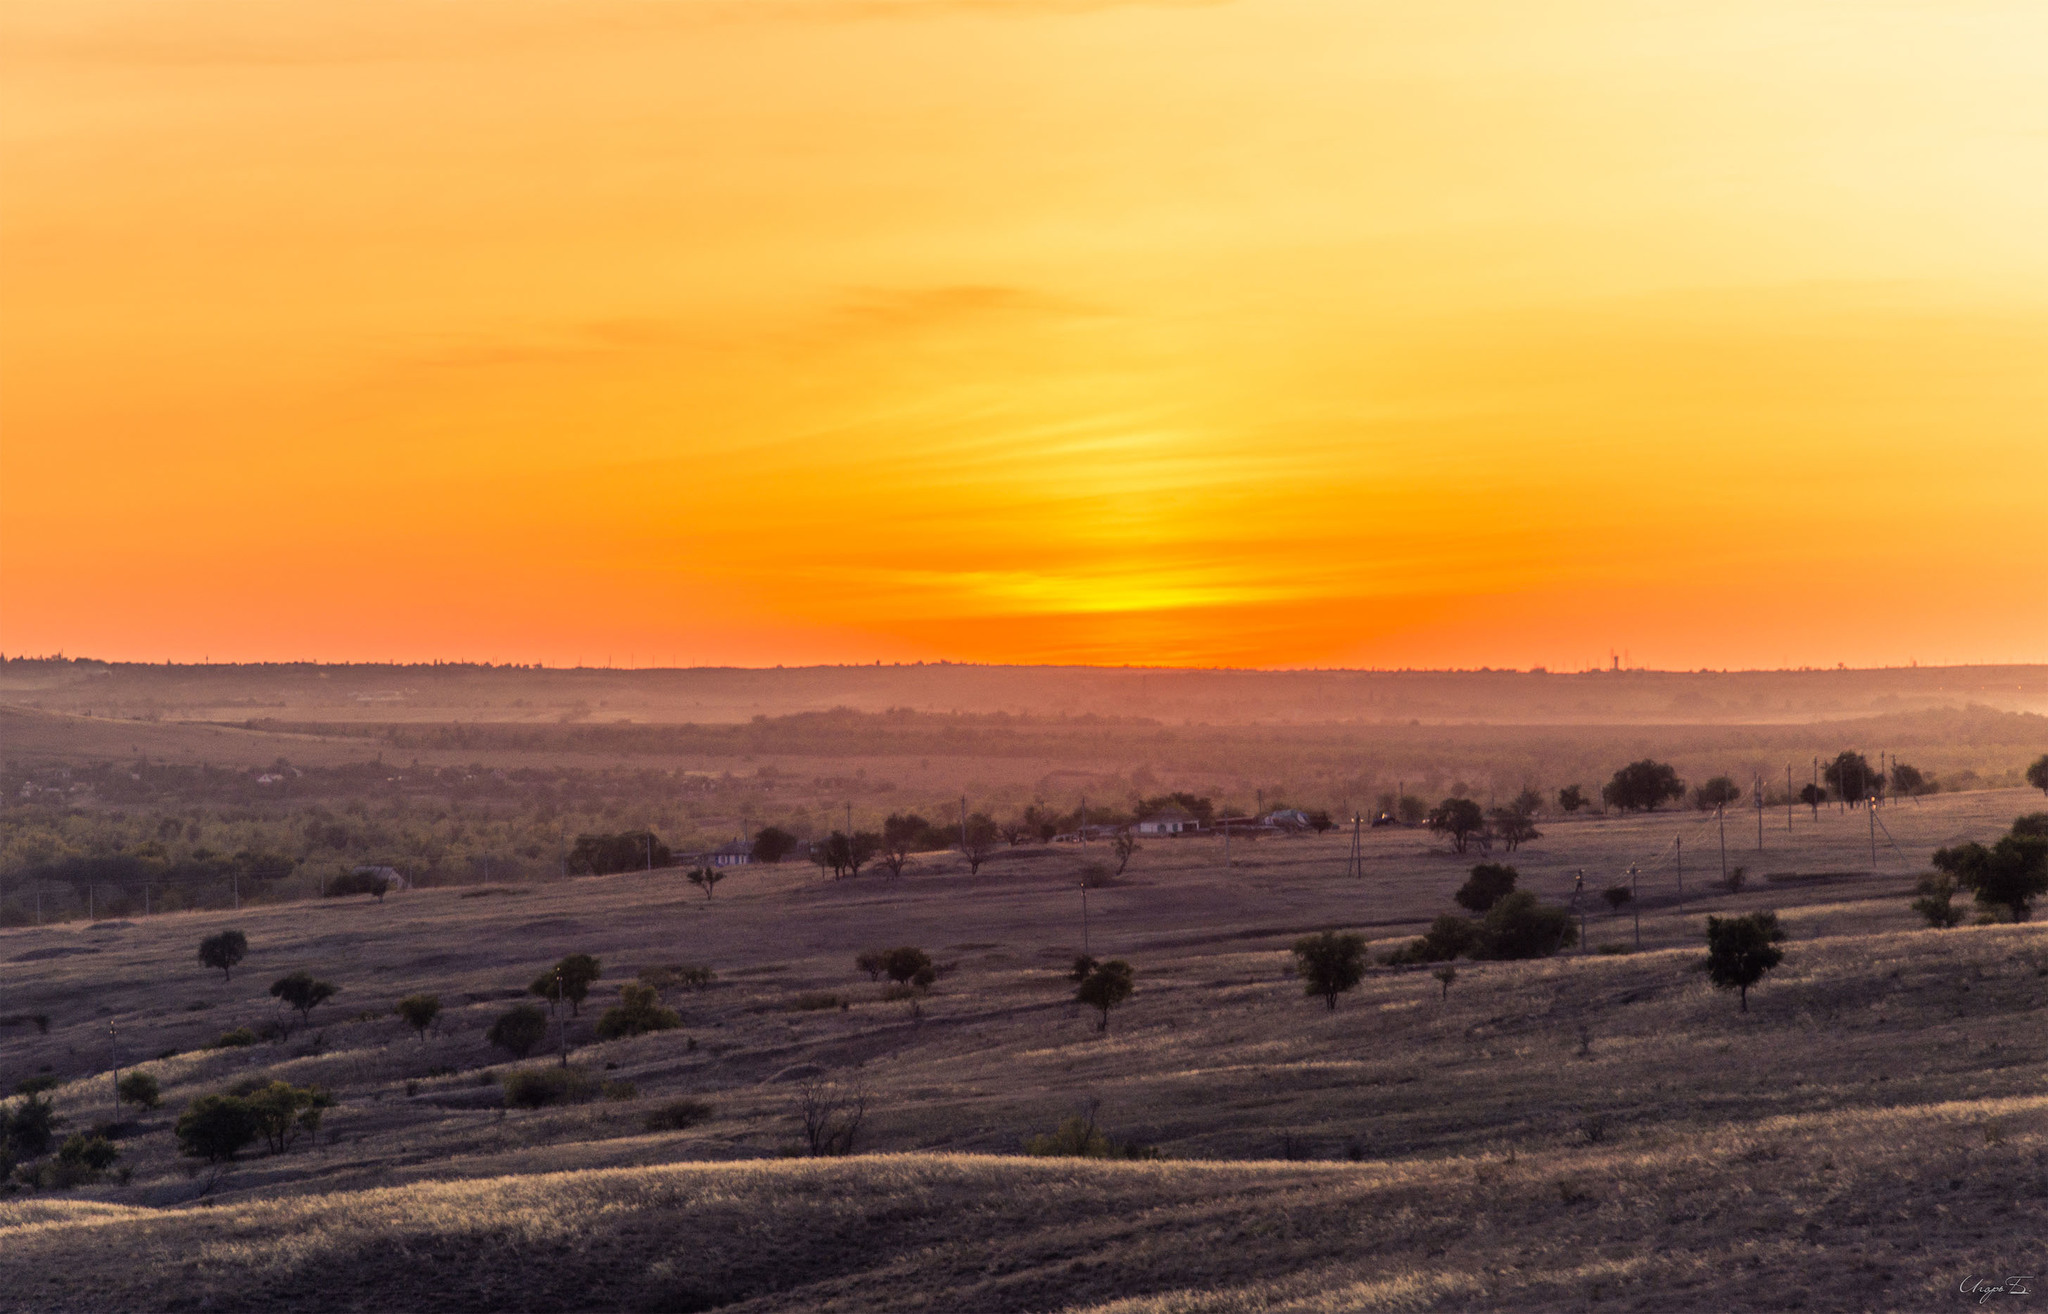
point(1593, 1129)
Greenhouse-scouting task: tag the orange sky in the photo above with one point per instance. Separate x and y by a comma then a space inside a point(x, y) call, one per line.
point(1262, 332)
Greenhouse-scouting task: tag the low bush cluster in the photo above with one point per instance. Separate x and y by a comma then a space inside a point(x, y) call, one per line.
point(535, 1088)
point(1080, 1138)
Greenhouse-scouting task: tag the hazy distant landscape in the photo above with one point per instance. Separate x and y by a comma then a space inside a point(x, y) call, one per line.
point(1597, 1126)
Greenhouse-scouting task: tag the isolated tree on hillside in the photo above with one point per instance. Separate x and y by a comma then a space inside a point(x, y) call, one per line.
point(1458, 820)
point(1570, 799)
point(1489, 883)
point(216, 1127)
point(639, 1010)
point(139, 1089)
point(223, 950)
point(905, 963)
point(1105, 988)
point(1716, 793)
point(1907, 780)
point(1616, 896)
point(302, 992)
point(773, 844)
point(1529, 802)
point(978, 841)
point(519, 1030)
point(1813, 796)
point(1123, 846)
point(569, 979)
point(705, 878)
point(1741, 949)
point(1642, 787)
point(418, 1012)
point(1521, 927)
point(1329, 964)
point(2037, 774)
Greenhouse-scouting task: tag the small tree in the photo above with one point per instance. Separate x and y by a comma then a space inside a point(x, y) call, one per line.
point(569, 979)
point(2037, 774)
point(1908, 780)
point(1616, 896)
point(139, 1089)
point(1458, 820)
point(519, 1030)
point(2008, 876)
point(705, 878)
point(1107, 987)
point(1329, 964)
point(871, 961)
point(1513, 827)
point(773, 844)
point(1813, 796)
point(1937, 892)
point(1716, 793)
point(1123, 846)
point(1319, 822)
point(1083, 965)
point(638, 1011)
point(216, 1128)
point(830, 1114)
point(1851, 777)
point(302, 992)
point(902, 835)
point(1741, 949)
point(1489, 883)
point(223, 951)
point(284, 1112)
point(1642, 787)
point(979, 840)
point(1445, 975)
point(418, 1012)
point(1570, 799)
point(1520, 927)
point(31, 1128)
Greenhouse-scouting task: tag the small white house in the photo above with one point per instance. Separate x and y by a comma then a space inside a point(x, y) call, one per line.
point(1171, 822)
point(733, 853)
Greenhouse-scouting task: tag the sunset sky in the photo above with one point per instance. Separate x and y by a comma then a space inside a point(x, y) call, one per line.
point(1261, 332)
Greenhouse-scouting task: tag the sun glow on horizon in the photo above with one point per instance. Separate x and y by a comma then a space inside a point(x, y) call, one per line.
point(1257, 332)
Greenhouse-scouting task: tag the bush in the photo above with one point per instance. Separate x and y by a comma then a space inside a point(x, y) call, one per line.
point(639, 1010)
point(1520, 927)
point(285, 1112)
point(906, 963)
point(533, 1088)
point(691, 975)
point(239, 1038)
point(621, 1090)
point(1329, 964)
point(2008, 876)
point(1447, 937)
point(216, 1128)
point(302, 992)
point(418, 1012)
point(364, 881)
point(816, 1001)
point(677, 1115)
point(1106, 987)
point(1080, 1138)
point(1937, 901)
point(569, 979)
point(30, 1129)
point(81, 1159)
point(139, 1089)
point(36, 1085)
point(519, 1030)
point(1489, 884)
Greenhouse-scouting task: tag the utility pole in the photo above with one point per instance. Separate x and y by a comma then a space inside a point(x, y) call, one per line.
point(1788, 798)
point(1636, 904)
point(1084, 914)
point(1226, 844)
point(1872, 810)
point(963, 821)
point(235, 877)
point(114, 1060)
point(849, 822)
point(561, 1023)
point(1082, 829)
point(1355, 864)
point(90, 915)
point(1679, 843)
point(1578, 889)
point(1721, 814)
point(1759, 814)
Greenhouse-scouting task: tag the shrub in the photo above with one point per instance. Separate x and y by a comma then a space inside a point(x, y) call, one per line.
point(239, 1038)
point(139, 1089)
point(1447, 937)
point(830, 1114)
point(692, 975)
point(1937, 900)
point(1329, 964)
point(815, 1001)
point(1489, 884)
point(284, 1112)
point(1080, 1138)
point(31, 1128)
point(1445, 975)
point(81, 1159)
point(676, 1115)
point(1083, 965)
point(1520, 927)
point(36, 1085)
point(223, 951)
point(533, 1088)
point(216, 1128)
point(2009, 875)
point(1716, 793)
point(905, 963)
point(639, 1010)
point(1741, 949)
point(418, 1012)
point(519, 1030)
point(569, 979)
point(869, 961)
point(1613, 947)
point(365, 880)
point(1617, 895)
point(1107, 987)
point(621, 1090)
